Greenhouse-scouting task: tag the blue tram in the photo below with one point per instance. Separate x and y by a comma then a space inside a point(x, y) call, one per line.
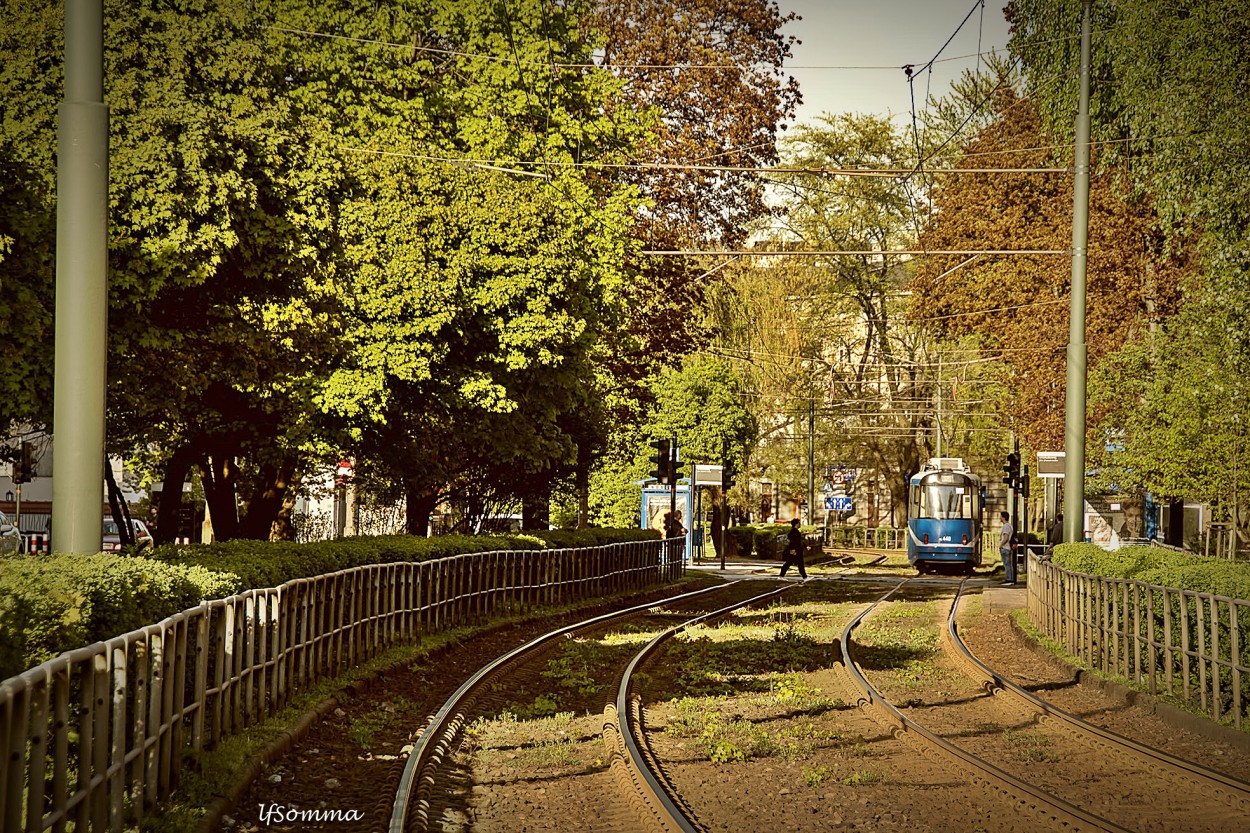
point(944, 517)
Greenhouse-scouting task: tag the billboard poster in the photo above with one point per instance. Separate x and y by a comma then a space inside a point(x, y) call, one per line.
point(656, 506)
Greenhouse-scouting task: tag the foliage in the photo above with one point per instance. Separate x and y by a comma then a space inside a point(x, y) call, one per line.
point(1156, 565)
point(723, 102)
point(745, 535)
point(826, 349)
point(1168, 99)
point(51, 604)
point(1015, 308)
point(593, 536)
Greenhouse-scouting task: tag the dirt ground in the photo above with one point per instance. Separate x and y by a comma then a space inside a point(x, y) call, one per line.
point(751, 749)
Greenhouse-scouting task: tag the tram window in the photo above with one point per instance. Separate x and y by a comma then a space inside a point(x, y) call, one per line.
point(943, 502)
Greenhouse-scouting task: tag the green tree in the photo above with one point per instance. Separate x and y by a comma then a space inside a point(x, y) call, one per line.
point(221, 239)
point(1169, 97)
point(852, 356)
point(484, 257)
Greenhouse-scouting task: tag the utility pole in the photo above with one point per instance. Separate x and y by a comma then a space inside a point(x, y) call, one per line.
point(81, 350)
point(811, 462)
point(1074, 433)
point(939, 405)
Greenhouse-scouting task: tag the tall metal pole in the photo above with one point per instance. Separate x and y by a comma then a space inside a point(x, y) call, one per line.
point(81, 286)
point(811, 462)
point(1074, 435)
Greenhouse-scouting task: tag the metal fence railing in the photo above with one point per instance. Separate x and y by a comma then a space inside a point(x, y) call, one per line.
point(1188, 645)
point(90, 740)
point(877, 537)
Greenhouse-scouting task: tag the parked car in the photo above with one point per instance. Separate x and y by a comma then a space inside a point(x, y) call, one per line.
point(10, 538)
point(113, 538)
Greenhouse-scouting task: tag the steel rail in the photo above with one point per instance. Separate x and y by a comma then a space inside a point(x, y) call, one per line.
point(657, 797)
point(1230, 789)
point(1070, 816)
point(435, 741)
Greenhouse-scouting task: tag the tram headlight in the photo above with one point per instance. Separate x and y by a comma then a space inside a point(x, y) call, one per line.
point(965, 539)
point(926, 537)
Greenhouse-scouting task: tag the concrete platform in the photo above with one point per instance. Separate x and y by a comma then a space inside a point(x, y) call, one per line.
point(999, 599)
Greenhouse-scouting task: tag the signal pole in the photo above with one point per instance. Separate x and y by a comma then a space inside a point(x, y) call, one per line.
point(1074, 417)
point(82, 174)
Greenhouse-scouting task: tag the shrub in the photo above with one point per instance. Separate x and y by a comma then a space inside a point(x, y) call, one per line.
point(52, 604)
point(593, 537)
point(764, 540)
point(1158, 566)
point(745, 536)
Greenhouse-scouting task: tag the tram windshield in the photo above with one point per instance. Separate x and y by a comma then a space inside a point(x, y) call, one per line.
point(932, 498)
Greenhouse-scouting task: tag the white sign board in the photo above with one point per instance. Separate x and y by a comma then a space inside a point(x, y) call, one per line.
point(705, 475)
point(1050, 464)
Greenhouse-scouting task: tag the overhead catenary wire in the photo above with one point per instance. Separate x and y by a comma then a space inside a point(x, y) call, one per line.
point(502, 164)
point(457, 53)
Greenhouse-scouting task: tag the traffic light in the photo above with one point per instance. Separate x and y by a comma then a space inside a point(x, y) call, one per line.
point(1011, 470)
point(1024, 483)
point(663, 459)
point(676, 468)
point(23, 466)
point(728, 476)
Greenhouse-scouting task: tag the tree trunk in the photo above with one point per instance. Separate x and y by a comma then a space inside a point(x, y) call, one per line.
point(420, 505)
point(117, 504)
point(218, 475)
point(169, 510)
point(267, 501)
point(536, 512)
point(581, 479)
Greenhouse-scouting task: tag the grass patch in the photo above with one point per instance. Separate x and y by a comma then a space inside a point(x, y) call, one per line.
point(861, 778)
point(730, 737)
point(1031, 747)
point(815, 776)
point(363, 728)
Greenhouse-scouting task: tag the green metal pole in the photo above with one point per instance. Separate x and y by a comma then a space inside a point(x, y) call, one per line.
point(811, 462)
point(81, 286)
point(1074, 435)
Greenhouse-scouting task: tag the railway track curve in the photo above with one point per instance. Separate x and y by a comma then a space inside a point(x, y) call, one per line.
point(641, 782)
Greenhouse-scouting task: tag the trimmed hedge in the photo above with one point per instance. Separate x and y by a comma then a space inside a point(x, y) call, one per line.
point(1163, 567)
point(745, 536)
point(593, 537)
point(270, 563)
point(763, 539)
point(52, 604)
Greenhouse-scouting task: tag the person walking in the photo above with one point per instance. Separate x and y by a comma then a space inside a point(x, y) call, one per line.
point(1006, 548)
point(795, 545)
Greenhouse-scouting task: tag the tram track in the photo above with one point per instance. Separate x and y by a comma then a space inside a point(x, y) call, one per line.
point(1228, 790)
point(643, 800)
point(1152, 789)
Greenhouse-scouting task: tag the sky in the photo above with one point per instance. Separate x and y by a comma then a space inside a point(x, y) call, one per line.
point(853, 51)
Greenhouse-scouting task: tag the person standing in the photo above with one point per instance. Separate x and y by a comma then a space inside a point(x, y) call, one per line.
point(673, 527)
point(1006, 548)
point(1055, 536)
point(795, 545)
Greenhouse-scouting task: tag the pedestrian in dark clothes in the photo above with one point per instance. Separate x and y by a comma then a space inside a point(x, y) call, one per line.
point(794, 549)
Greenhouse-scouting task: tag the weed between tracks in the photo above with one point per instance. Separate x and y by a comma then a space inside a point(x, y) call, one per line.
point(903, 640)
point(1031, 747)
